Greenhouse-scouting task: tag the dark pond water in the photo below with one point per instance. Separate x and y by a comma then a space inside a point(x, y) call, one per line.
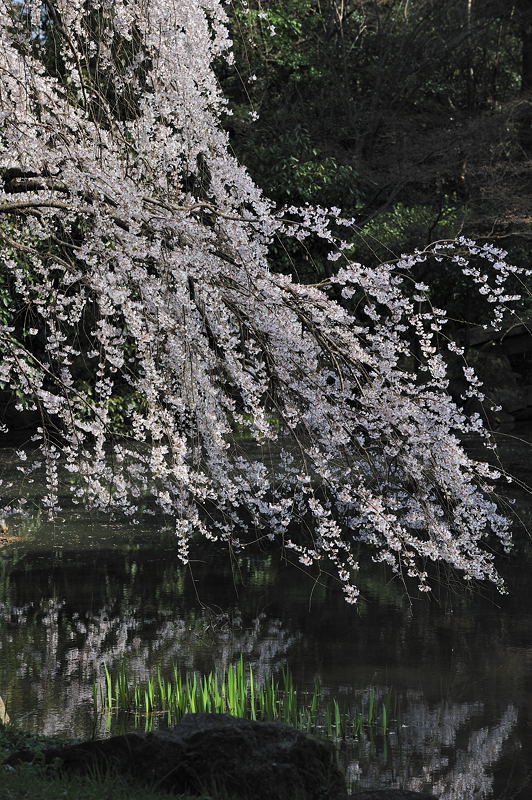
point(81, 592)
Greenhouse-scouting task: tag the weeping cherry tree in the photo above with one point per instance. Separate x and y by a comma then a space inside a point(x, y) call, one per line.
point(136, 253)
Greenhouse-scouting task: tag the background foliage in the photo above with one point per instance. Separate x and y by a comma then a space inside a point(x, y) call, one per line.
point(414, 116)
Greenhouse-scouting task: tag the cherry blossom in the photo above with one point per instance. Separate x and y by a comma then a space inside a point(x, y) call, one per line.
point(138, 257)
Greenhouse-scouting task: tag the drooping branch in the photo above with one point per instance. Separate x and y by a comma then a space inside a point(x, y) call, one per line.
point(138, 255)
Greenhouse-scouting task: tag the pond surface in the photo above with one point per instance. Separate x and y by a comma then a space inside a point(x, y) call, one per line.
point(82, 592)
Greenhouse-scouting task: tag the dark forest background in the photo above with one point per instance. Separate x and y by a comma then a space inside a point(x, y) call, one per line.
point(414, 115)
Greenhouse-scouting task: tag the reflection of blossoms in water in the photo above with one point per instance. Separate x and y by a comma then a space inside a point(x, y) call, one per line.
point(59, 655)
point(426, 755)
point(469, 777)
point(264, 644)
point(425, 730)
point(421, 720)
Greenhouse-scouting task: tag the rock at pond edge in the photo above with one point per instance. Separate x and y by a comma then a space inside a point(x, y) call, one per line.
point(246, 759)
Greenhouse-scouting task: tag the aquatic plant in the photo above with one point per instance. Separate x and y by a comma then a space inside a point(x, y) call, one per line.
point(237, 692)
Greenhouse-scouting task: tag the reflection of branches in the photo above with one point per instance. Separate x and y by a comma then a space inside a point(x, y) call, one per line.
point(59, 656)
point(421, 758)
point(425, 731)
point(469, 778)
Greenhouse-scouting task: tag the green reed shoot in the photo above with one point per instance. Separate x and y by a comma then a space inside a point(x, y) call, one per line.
point(109, 686)
point(358, 725)
point(252, 709)
point(337, 720)
point(237, 692)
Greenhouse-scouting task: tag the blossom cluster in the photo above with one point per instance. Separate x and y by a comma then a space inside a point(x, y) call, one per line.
point(137, 251)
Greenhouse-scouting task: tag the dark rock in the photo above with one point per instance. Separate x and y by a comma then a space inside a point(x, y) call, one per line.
point(205, 752)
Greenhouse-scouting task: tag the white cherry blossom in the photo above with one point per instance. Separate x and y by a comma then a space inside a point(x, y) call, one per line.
point(137, 251)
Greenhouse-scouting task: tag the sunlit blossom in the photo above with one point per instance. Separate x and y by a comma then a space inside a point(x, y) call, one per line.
point(142, 262)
